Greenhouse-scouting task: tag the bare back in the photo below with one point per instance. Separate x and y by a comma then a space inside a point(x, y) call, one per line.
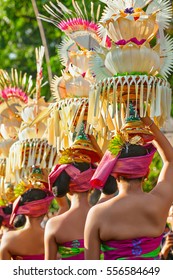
point(129, 216)
point(66, 227)
point(27, 241)
point(69, 226)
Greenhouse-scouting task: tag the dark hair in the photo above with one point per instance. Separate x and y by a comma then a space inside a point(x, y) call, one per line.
point(32, 195)
point(110, 186)
point(61, 185)
point(19, 221)
point(132, 150)
point(1, 220)
point(94, 196)
point(82, 166)
point(7, 211)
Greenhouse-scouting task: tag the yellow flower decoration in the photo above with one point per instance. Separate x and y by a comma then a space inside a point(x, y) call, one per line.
point(116, 144)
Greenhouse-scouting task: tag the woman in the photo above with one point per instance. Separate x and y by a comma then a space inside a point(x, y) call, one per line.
point(65, 233)
point(27, 243)
point(166, 252)
point(130, 225)
point(167, 242)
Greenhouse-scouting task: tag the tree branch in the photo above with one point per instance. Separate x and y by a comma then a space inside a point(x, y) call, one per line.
point(44, 41)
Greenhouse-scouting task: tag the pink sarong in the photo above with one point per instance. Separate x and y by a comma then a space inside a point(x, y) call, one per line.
point(28, 257)
point(144, 248)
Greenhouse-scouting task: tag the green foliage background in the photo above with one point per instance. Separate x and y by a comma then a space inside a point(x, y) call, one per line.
point(20, 35)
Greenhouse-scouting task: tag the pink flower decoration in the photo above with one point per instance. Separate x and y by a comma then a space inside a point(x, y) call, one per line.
point(77, 24)
point(14, 92)
point(83, 74)
point(121, 42)
point(133, 40)
point(108, 42)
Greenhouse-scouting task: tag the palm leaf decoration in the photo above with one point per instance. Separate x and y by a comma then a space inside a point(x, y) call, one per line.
point(166, 57)
point(66, 46)
point(44, 114)
point(115, 145)
point(97, 65)
point(164, 14)
point(15, 85)
point(80, 24)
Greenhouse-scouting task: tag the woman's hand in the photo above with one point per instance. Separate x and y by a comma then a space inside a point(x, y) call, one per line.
point(168, 244)
point(147, 121)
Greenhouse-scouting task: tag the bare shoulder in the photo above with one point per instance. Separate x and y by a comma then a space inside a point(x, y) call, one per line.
point(96, 209)
point(8, 238)
point(10, 234)
point(164, 189)
point(95, 213)
point(54, 223)
point(51, 223)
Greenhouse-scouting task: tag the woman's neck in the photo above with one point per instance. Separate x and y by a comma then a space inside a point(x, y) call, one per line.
point(32, 222)
point(131, 187)
point(79, 200)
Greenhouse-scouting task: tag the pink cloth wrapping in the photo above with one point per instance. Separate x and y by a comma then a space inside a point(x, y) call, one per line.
point(6, 221)
point(6, 218)
point(79, 180)
point(34, 208)
point(29, 257)
point(144, 248)
point(132, 167)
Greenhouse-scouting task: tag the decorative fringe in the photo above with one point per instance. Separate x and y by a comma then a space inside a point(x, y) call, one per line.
point(29, 153)
point(111, 98)
point(166, 56)
point(2, 167)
